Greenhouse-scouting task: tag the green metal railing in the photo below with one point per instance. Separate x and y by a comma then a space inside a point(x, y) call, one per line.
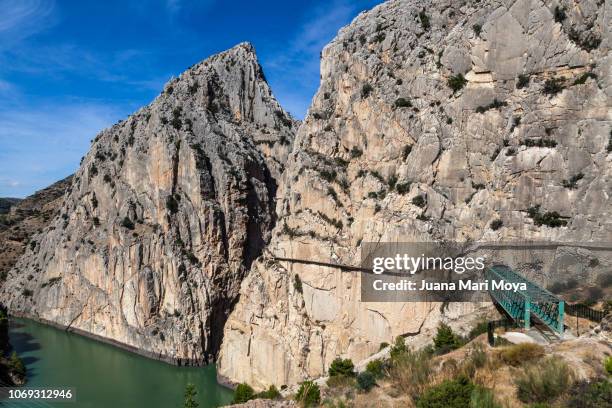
point(530, 300)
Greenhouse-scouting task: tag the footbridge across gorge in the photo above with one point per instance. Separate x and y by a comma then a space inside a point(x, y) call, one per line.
point(522, 305)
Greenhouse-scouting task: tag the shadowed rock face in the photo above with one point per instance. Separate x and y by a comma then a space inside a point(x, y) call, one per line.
point(527, 124)
point(164, 217)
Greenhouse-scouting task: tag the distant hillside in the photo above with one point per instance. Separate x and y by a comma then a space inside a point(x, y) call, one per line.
point(7, 203)
point(29, 216)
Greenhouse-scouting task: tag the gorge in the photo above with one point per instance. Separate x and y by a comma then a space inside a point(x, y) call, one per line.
point(435, 120)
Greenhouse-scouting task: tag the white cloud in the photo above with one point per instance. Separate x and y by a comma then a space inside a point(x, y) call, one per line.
point(21, 18)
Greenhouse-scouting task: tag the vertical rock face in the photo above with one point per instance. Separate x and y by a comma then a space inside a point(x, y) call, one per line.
point(165, 215)
point(488, 111)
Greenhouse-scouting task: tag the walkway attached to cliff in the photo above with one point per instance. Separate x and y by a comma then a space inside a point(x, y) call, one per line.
point(523, 305)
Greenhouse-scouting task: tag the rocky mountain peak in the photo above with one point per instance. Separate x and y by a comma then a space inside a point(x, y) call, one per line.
point(164, 216)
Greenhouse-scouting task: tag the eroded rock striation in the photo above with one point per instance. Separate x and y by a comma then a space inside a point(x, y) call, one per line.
point(435, 120)
point(164, 216)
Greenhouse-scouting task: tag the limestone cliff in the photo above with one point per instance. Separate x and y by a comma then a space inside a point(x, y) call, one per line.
point(474, 121)
point(164, 216)
point(24, 218)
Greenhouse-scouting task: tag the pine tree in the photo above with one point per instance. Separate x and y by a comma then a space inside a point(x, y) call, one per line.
point(190, 396)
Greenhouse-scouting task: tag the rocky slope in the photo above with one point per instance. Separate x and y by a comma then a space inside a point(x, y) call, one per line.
point(164, 216)
point(7, 203)
point(26, 218)
point(497, 114)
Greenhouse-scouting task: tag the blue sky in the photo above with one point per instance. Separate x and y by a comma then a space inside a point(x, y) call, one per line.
point(68, 68)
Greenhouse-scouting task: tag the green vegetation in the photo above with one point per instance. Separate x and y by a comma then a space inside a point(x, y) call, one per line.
point(523, 81)
point(366, 90)
point(493, 105)
point(190, 396)
point(243, 393)
point(594, 394)
point(553, 86)
point(543, 382)
point(549, 218)
point(342, 367)
point(477, 29)
point(583, 78)
point(608, 365)
point(419, 201)
point(456, 393)
point(365, 381)
point(559, 14)
point(308, 394)
point(403, 103)
point(271, 393)
point(483, 398)
point(457, 82)
point(446, 340)
point(572, 183)
point(376, 368)
point(424, 18)
point(356, 152)
point(176, 118)
point(539, 142)
point(403, 188)
point(297, 283)
point(518, 354)
point(16, 365)
point(496, 224)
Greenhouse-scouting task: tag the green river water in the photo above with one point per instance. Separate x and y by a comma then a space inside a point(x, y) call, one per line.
point(104, 376)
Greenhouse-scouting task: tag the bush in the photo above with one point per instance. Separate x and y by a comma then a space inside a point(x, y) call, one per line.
point(572, 183)
point(559, 14)
point(446, 340)
point(496, 224)
point(477, 29)
point(419, 201)
point(403, 103)
point(402, 188)
point(411, 371)
point(190, 397)
point(456, 82)
point(366, 381)
point(308, 394)
point(425, 23)
point(366, 90)
point(243, 393)
point(480, 328)
point(455, 393)
point(522, 82)
point(271, 393)
point(356, 152)
point(518, 354)
point(483, 398)
point(594, 394)
point(543, 382)
point(16, 365)
point(342, 367)
point(553, 86)
point(608, 365)
point(297, 283)
point(377, 368)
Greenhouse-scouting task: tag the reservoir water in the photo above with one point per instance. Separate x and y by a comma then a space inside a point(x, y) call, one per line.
point(104, 376)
